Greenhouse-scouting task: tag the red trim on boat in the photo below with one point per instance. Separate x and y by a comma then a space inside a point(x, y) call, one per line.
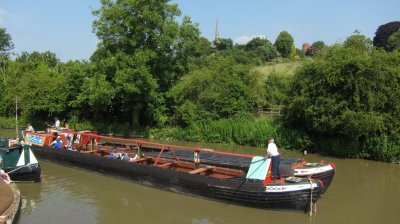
point(332, 165)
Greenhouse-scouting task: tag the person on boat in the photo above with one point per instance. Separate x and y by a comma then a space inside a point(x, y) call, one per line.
point(135, 157)
point(126, 157)
point(57, 144)
point(112, 154)
point(272, 152)
point(29, 128)
point(56, 123)
point(117, 155)
point(69, 142)
point(196, 158)
point(3, 175)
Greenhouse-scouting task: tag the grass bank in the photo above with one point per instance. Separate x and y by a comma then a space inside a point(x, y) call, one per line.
point(285, 68)
point(6, 122)
point(242, 131)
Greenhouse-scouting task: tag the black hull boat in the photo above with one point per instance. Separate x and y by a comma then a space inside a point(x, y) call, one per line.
point(232, 190)
point(253, 187)
point(29, 173)
point(19, 161)
point(288, 166)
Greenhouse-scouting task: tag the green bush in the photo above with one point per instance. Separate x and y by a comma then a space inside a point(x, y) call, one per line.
point(242, 131)
point(7, 122)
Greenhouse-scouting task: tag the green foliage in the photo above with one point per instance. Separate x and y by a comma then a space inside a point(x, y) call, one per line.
point(300, 53)
point(293, 52)
point(150, 70)
point(142, 52)
point(222, 89)
point(243, 131)
point(351, 92)
point(276, 87)
point(318, 45)
point(283, 43)
point(394, 41)
point(6, 122)
point(35, 59)
point(383, 33)
point(316, 48)
point(381, 148)
point(261, 48)
point(223, 44)
point(5, 42)
point(38, 87)
point(358, 42)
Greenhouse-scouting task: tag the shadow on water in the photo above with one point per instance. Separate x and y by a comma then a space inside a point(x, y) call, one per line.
point(362, 192)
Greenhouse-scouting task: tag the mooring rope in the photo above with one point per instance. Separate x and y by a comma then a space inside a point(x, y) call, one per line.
point(311, 196)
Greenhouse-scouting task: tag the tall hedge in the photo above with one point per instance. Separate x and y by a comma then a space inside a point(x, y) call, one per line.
point(351, 93)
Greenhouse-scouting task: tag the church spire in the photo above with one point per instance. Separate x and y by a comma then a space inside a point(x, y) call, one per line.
point(216, 40)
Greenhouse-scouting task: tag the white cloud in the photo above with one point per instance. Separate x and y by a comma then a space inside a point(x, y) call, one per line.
point(245, 39)
point(3, 13)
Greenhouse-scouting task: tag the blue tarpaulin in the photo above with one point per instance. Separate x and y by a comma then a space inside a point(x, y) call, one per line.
point(258, 168)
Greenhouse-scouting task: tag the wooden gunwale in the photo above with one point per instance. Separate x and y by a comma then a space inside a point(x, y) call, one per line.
point(158, 145)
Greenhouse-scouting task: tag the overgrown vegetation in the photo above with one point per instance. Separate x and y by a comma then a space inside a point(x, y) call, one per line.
point(350, 94)
point(242, 131)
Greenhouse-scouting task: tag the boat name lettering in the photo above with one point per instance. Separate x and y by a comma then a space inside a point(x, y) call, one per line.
point(35, 139)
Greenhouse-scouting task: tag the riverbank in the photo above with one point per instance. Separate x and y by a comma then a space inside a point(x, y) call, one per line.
point(10, 203)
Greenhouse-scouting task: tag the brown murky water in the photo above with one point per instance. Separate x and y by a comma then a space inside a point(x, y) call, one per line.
point(362, 192)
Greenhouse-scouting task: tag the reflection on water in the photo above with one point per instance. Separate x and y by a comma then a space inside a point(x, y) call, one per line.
point(362, 192)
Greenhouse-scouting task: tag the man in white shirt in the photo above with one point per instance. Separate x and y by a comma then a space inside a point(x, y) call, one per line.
point(56, 123)
point(272, 152)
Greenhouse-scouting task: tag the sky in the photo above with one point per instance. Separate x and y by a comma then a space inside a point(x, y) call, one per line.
point(65, 26)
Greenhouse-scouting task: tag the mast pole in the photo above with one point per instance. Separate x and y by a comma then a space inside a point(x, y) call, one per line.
point(16, 115)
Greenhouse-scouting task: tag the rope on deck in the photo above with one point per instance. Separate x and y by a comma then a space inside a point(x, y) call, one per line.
point(311, 195)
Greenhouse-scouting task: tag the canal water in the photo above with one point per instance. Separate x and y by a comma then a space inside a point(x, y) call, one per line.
point(362, 192)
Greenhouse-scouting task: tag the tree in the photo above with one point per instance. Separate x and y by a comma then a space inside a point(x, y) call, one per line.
point(6, 43)
point(349, 94)
point(283, 43)
point(222, 89)
point(394, 41)
point(39, 86)
point(142, 52)
point(383, 33)
point(315, 48)
point(223, 44)
point(359, 42)
point(32, 60)
point(293, 52)
point(261, 48)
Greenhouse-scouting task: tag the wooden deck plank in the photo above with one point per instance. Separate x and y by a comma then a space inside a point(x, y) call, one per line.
point(202, 169)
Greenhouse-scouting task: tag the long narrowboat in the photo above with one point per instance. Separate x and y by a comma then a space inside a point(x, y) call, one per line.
point(19, 161)
point(288, 166)
point(252, 187)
